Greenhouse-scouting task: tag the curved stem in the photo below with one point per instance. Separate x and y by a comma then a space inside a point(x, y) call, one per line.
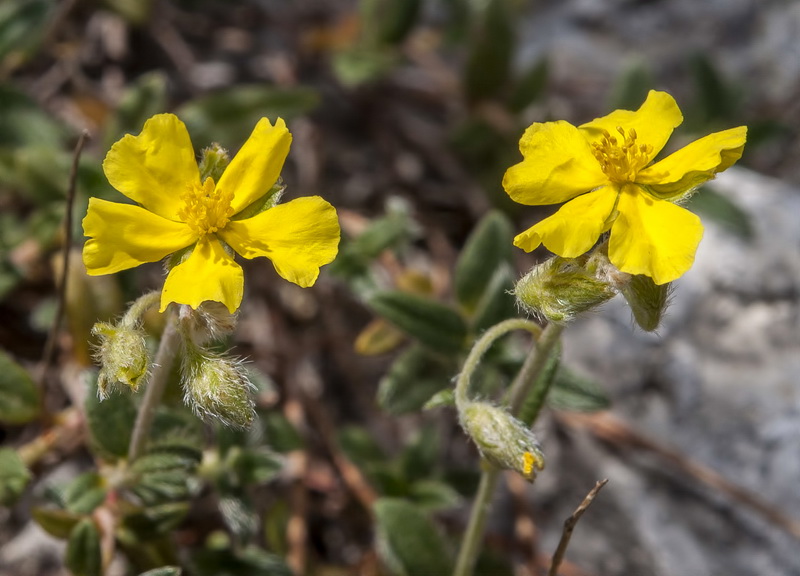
point(528, 374)
point(481, 346)
point(167, 350)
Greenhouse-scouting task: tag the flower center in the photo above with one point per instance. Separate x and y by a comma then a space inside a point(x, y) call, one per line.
point(205, 208)
point(621, 159)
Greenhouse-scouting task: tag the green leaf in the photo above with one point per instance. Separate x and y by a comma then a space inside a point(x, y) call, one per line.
point(631, 89)
point(14, 476)
point(434, 495)
point(83, 494)
point(19, 397)
point(281, 434)
point(407, 542)
point(361, 65)
point(421, 455)
point(163, 473)
point(153, 522)
point(83, 556)
point(489, 63)
point(431, 323)
point(55, 521)
point(239, 515)
point(360, 446)
point(498, 302)
point(228, 116)
point(714, 206)
point(717, 100)
point(110, 421)
point(396, 19)
point(530, 87)
point(163, 571)
point(413, 378)
point(255, 466)
point(22, 24)
point(250, 561)
point(577, 393)
point(143, 98)
point(442, 399)
point(488, 247)
point(23, 122)
point(543, 385)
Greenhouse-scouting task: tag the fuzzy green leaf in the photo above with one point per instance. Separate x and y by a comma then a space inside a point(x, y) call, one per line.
point(14, 476)
point(110, 422)
point(414, 377)
point(488, 247)
point(428, 321)
point(407, 541)
point(83, 556)
point(574, 392)
point(19, 397)
point(55, 521)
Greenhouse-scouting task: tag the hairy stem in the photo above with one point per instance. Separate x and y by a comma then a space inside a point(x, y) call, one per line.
point(165, 357)
point(528, 374)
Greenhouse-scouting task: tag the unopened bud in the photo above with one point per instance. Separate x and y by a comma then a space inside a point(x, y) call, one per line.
point(122, 355)
point(648, 301)
point(213, 161)
point(502, 440)
point(561, 288)
point(217, 387)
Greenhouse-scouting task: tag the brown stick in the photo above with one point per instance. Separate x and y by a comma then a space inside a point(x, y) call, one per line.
point(55, 328)
point(569, 526)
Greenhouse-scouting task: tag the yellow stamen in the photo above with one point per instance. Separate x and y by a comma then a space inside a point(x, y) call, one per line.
point(206, 209)
point(621, 162)
point(528, 461)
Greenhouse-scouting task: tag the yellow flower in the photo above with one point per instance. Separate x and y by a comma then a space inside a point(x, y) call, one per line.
point(157, 170)
point(603, 170)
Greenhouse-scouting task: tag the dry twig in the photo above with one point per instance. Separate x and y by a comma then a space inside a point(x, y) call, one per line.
point(569, 526)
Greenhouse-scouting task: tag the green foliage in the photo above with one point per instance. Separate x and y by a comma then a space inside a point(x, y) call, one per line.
point(723, 211)
point(56, 521)
point(487, 248)
point(489, 63)
point(83, 556)
point(163, 571)
point(14, 476)
point(570, 391)
point(250, 561)
point(396, 19)
point(631, 89)
point(228, 116)
point(22, 23)
point(407, 541)
point(530, 87)
point(83, 494)
point(19, 396)
point(431, 323)
point(110, 421)
point(412, 379)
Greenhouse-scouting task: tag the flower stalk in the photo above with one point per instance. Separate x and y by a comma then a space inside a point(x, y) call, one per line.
point(159, 376)
point(532, 368)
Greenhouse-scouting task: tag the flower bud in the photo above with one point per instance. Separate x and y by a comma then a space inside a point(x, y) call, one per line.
point(122, 355)
point(211, 321)
point(213, 161)
point(561, 288)
point(217, 387)
point(502, 440)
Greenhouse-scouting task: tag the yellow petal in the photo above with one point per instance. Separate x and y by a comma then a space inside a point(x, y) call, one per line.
point(558, 165)
point(299, 237)
point(257, 165)
point(209, 273)
point(654, 122)
point(653, 237)
point(575, 228)
point(122, 236)
point(155, 167)
point(694, 164)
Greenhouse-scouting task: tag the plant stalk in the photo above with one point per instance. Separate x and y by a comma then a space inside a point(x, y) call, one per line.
point(528, 374)
point(165, 357)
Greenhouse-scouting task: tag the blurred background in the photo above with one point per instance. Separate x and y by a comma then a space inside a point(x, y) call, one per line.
point(405, 115)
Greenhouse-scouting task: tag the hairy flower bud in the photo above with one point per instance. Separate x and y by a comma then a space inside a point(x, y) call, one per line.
point(561, 288)
point(217, 387)
point(211, 321)
point(502, 440)
point(122, 355)
point(213, 161)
